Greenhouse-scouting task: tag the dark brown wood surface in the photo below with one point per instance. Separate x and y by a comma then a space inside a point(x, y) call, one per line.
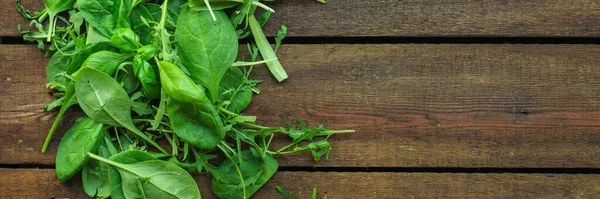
point(428, 18)
point(431, 120)
point(42, 183)
point(532, 106)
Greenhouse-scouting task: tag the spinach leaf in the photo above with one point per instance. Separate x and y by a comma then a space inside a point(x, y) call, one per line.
point(103, 99)
point(81, 55)
point(200, 5)
point(154, 179)
point(207, 48)
point(147, 76)
point(97, 176)
point(137, 24)
point(105, 61)
point(255, 170)
point(125, 39)
point(56, 71)
point(105, 15)
point(83, 137)
point(178, 85)
point(235, 90)
point(128, 79)
point(132, 156)
point(125, 157)
point(198, 123)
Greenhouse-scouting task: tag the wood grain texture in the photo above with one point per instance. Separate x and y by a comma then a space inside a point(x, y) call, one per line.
point(410, 18)
point(34, 183)
point(411, 105)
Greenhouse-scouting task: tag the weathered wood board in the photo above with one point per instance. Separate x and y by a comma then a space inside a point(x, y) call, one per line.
point(412, 18)
point(42, 183)
point(412, 105)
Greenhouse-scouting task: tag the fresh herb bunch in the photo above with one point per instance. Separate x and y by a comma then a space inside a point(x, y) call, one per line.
point(144, 71)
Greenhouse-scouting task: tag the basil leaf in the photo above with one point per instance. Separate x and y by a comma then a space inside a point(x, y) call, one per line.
point(207, 48)
point(83, 137)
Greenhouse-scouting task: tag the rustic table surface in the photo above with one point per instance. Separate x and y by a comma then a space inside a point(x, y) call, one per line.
point(449, 99)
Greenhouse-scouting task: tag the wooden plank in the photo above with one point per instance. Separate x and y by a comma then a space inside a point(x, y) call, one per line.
point(42, 183)
point(411, 105)
point(534, 18)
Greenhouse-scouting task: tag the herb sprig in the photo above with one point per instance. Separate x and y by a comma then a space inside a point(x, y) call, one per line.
point(145, 72)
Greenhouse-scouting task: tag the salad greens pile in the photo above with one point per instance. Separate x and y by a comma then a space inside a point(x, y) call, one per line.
point(150, 72)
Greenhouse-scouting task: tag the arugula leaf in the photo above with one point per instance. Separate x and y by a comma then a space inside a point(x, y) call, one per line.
point(281, 33)
point(284, 192)
point(207, 48)
point(53, 7)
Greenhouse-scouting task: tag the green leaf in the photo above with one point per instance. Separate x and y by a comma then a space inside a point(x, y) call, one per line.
point(104, 15)
point(198, 123)
point(97, 176)
point(234, 89)
point(53, 7)
point(207, 48)
point(200, 5)
point(154, 179)
point(82, 54)
point(56, 71)
point(105, 61)
point(178, 85)
point(284, 192)
point(255, 170)
point(147, 76)
point(266, 51)
point(281, 33)
point(125, 157)
point(103, 99)
point(68, 100)
point(137, 24)
point(83, 137)
point(125, 39)
point(132, 156)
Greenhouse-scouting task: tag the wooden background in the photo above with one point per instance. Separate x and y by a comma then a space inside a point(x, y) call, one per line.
point(449, 99)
